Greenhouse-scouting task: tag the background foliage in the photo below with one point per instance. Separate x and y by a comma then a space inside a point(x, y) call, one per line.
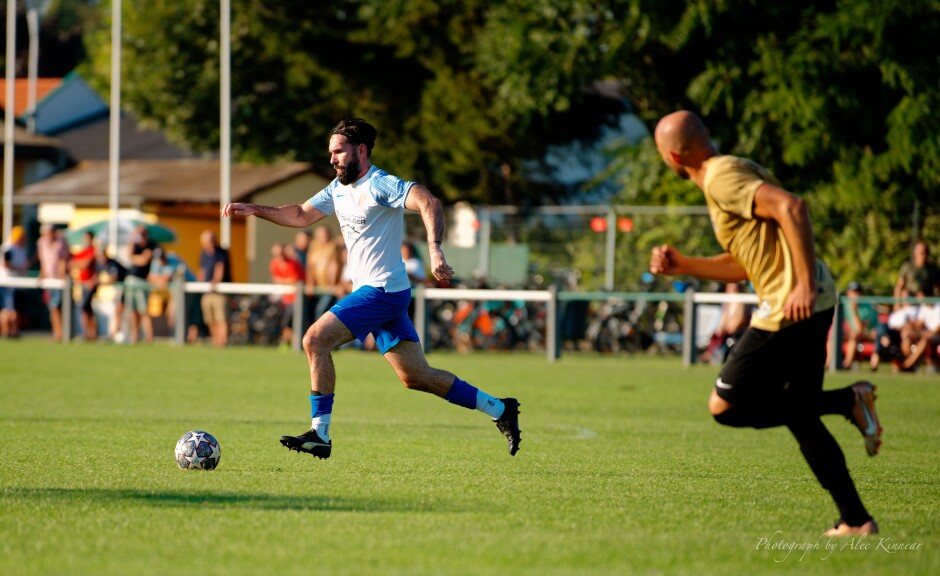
point(837, 97)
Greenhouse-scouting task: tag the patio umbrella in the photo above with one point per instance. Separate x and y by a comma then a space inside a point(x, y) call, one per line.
point(126, 227)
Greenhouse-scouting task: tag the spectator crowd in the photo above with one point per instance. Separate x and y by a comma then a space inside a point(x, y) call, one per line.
point(123, 300)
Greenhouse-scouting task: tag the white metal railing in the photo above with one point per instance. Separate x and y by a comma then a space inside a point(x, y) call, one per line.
point(422, 295)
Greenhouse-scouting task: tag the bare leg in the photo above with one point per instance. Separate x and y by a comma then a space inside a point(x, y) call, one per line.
point(55, 319)
point(408, 361)
point(326, 334)
point(851, 346)
point(133, 327)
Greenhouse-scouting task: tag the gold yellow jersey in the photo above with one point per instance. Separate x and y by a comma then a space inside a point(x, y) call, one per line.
point(758, 245)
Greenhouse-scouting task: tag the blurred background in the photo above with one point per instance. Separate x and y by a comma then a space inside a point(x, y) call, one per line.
point(530, 119)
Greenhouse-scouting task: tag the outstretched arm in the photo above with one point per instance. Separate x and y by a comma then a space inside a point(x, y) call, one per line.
point(293, 215)
point(791, 214)
point(667, 260)
point(421, 200)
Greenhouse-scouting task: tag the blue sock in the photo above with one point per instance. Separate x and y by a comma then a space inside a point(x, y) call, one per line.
point(321, 409)
point(468, 396)
point(320, 405)
point(462, 394)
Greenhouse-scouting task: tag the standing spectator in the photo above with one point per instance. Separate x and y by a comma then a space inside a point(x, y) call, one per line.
point(162, 273)
point(414, 268)
point(301, 246)
point(136, 289)
point(324, 267)
point(861, 323)
point(214, 267)
point(191, 301)
point(735, 317)
point(918, 274)
point(53, 255)
point(84, 266)
point(15, 264)
point(286, 271)
point(110, 272)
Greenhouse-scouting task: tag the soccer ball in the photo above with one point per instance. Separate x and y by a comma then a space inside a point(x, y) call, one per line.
point(198, 450)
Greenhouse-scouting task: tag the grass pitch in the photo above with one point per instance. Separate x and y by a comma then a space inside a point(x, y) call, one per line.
point(621, 471)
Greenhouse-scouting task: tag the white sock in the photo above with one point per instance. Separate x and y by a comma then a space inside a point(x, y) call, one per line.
point(491, 406)
point(322, 425)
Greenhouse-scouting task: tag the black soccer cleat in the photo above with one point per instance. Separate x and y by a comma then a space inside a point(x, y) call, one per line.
point(309, 442)
point(508, 424)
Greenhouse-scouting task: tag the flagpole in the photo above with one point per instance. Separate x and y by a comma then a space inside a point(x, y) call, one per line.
point(114, 156)
point(225, 121)
point(8, 121)
point(32, 20)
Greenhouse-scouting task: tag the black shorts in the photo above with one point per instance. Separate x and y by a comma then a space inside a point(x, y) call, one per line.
point(762, 364)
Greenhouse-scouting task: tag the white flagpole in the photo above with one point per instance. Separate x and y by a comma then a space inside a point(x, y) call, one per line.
point(114, 156)
point(225, 153)
point(8, 120)
point(32, 20)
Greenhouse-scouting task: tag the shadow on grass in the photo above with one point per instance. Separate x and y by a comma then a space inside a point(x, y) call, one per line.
point(227, 500)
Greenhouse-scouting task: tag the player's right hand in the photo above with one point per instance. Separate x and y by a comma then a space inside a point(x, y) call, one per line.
point(238, 209)
point(664, 260)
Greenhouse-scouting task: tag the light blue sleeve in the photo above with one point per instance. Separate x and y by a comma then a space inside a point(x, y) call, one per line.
point(388, 190)
point(323, 201)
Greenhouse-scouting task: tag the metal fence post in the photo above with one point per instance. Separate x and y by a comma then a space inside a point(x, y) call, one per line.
point(178, 288)
point(67, 309)
point(835, 338)
point(297, 322)
point(689, 329)
point(552, 339)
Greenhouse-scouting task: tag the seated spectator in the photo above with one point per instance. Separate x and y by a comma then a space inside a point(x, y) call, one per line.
point(888, 337)
point(861, 323)
point(920, 334)
point(918, 274)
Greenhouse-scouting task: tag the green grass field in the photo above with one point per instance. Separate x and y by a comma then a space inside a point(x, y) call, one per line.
point(621, 471)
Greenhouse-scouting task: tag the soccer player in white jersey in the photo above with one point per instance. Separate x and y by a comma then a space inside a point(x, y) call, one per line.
point(369, 204)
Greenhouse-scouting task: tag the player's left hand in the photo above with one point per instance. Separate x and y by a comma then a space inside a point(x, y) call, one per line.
point(801, 303)
point(439, 267)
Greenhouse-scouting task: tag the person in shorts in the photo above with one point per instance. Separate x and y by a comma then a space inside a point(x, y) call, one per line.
point(370, 204)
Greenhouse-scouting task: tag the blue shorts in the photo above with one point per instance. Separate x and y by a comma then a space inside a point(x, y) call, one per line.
point(53, 298)
point(7, 298)
point(385, 315)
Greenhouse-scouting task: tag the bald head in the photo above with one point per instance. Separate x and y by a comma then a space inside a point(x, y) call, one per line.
point(682, 131)
point(683, 141)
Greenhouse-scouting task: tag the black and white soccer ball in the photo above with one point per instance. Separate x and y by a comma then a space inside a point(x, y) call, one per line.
point(198, 450)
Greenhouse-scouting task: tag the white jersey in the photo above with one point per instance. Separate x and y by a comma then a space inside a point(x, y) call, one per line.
point(371, 216)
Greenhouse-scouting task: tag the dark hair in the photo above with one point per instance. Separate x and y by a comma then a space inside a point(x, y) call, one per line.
point(357, 131)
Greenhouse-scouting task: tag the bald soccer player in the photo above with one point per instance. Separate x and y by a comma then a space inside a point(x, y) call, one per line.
point(774, 374)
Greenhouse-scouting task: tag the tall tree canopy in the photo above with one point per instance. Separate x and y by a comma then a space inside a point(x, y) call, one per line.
point(838, 97)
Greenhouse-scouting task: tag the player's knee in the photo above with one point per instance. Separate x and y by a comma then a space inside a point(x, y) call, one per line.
point(717, 405)
point(415, 382)
point(311, 341)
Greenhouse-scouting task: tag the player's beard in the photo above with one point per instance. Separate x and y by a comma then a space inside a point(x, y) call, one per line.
point(349, 173)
